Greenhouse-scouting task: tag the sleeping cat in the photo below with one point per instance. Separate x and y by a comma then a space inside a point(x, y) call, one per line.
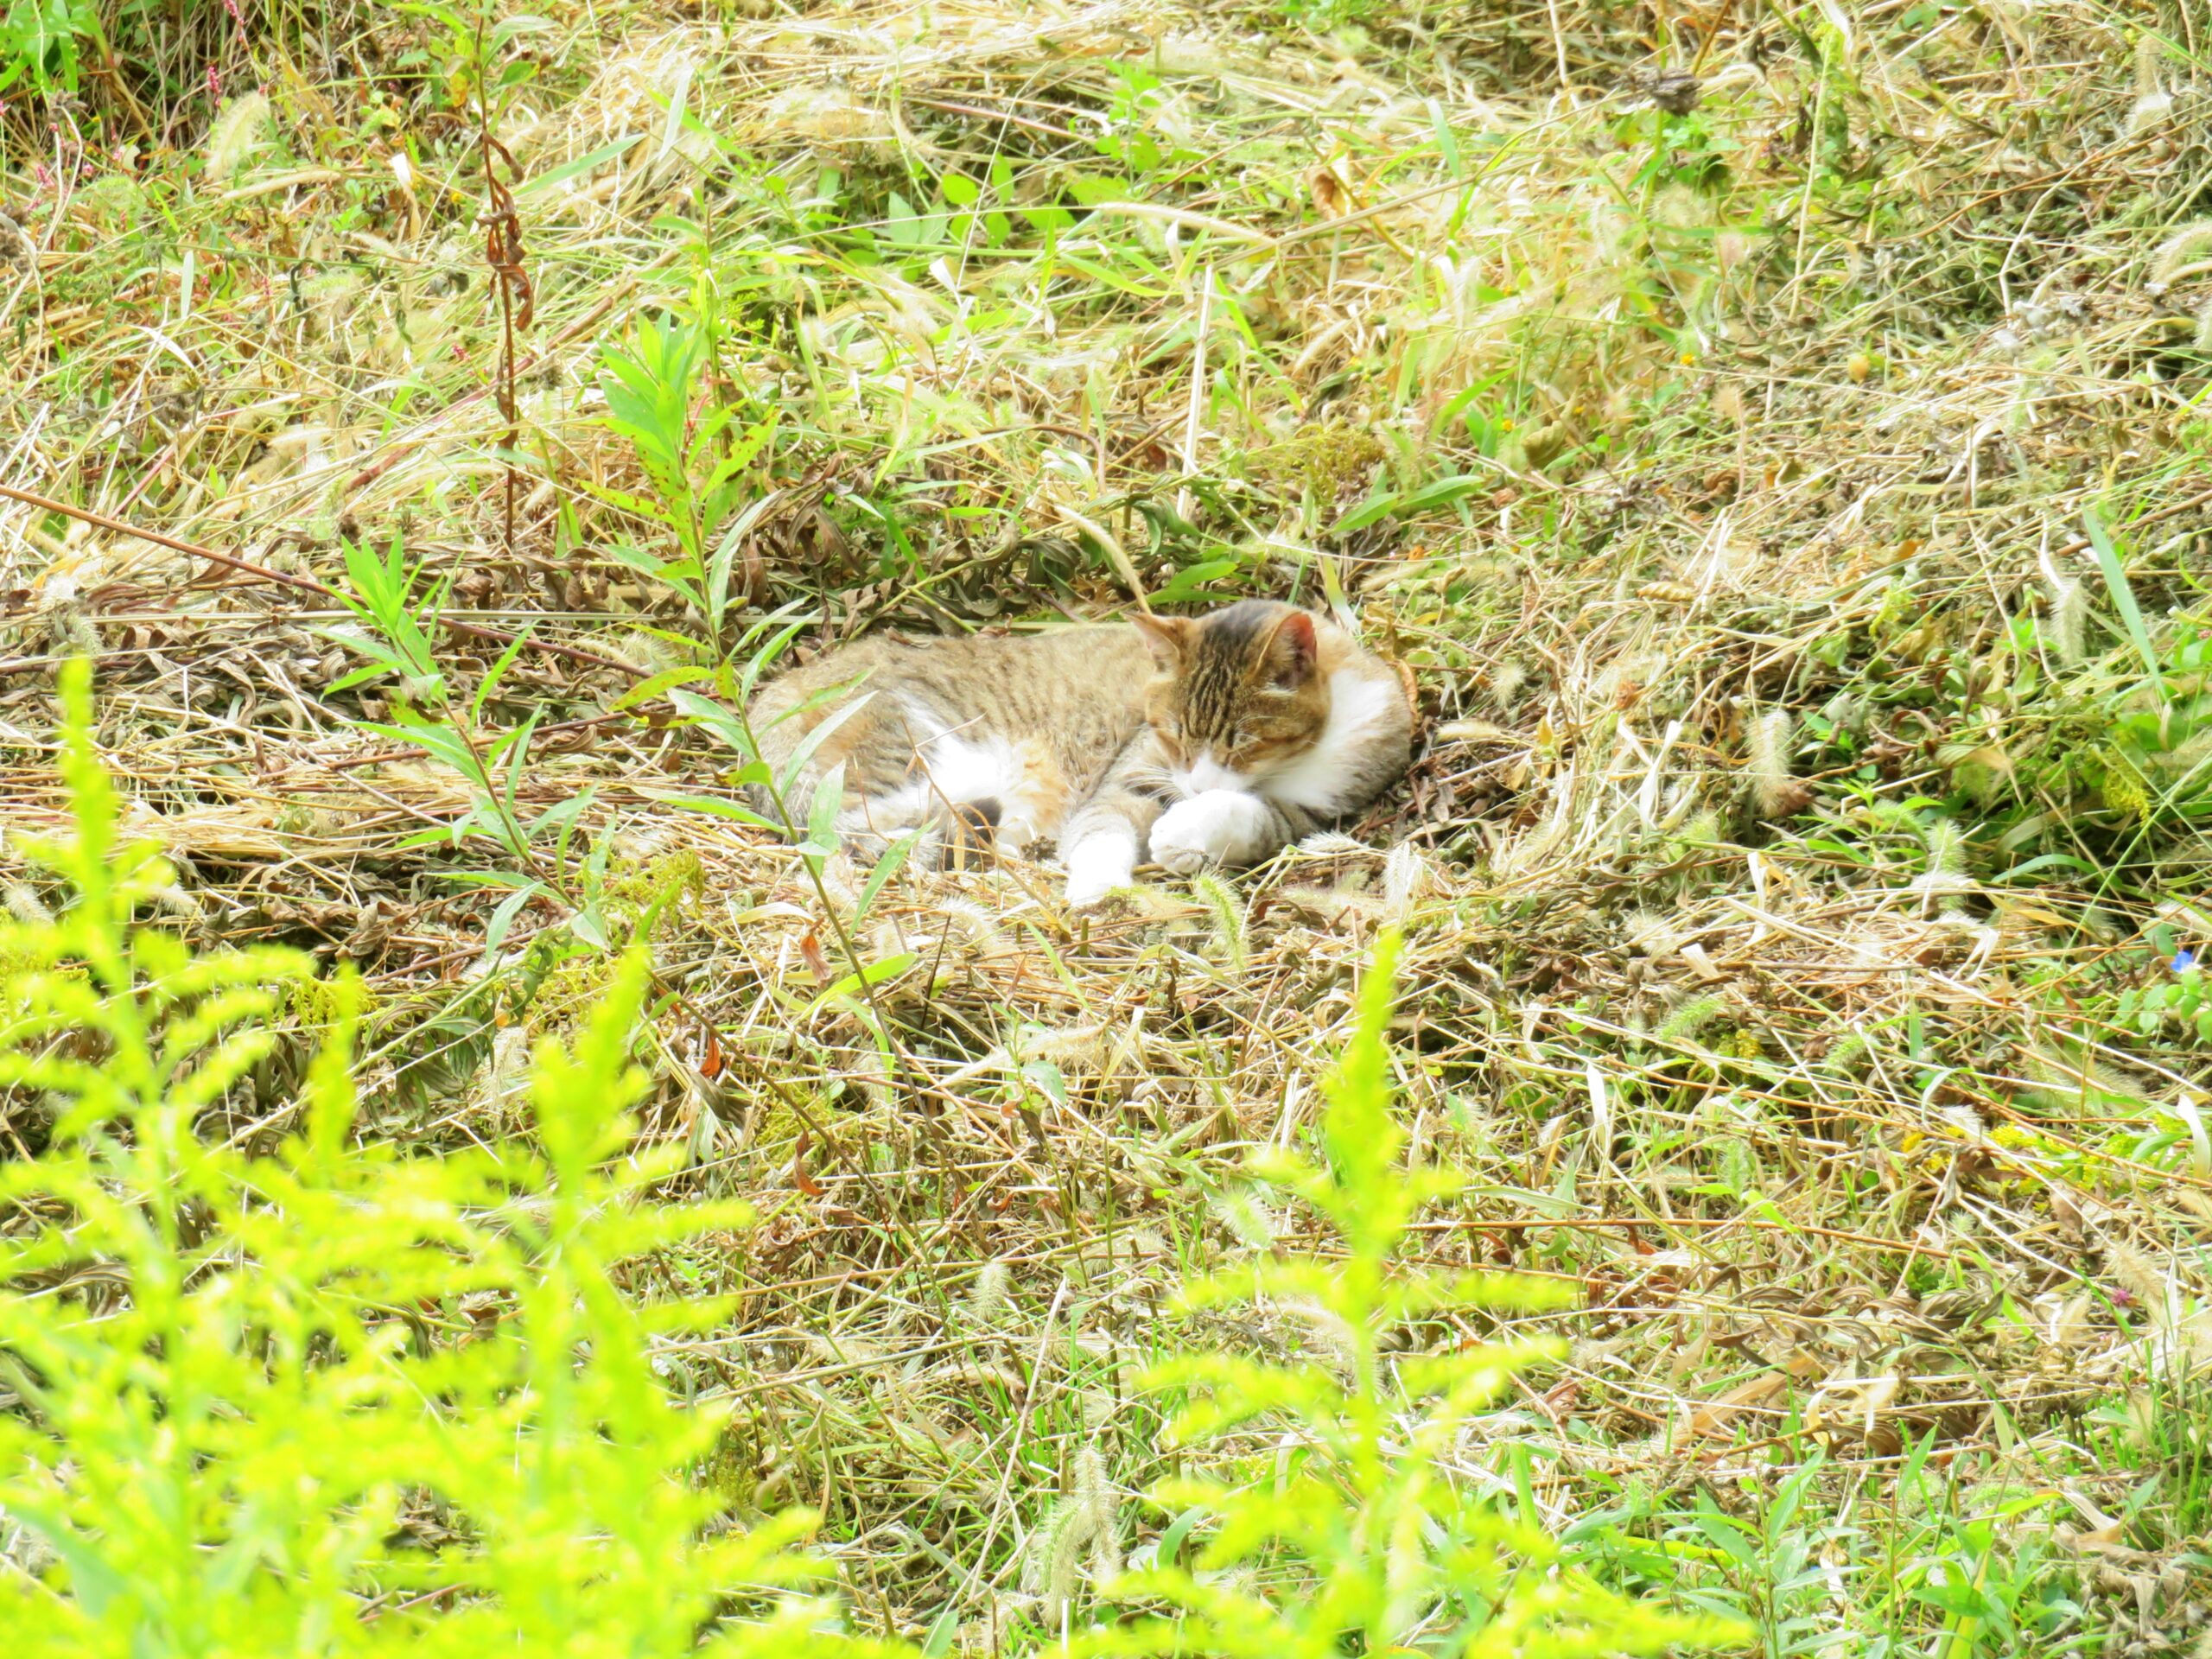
point(1199, 741)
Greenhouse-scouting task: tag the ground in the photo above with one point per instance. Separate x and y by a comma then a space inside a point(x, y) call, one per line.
point(1767, 436)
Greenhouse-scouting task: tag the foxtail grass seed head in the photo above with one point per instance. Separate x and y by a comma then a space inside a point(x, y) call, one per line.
point(176, 901)
point(2149, 111)
point(1650, 932)
point(238, 133)
point(1684, 1024)
point(2147, 55)
point(2069, 621)
point(1096, 1493)
point(2184, 248)
point(72, 633)
point(2124, 789)
point(1505, 683)
point(1054, 1570)
point(2153, 103)
point(648, 653)
point(986, 1297)
point(2190, 758)
point(978, 925)
point(2074, 1074)
point(1069, 1047)
point(1256, 1227)
point(1406, 878)
point(507, 1073)
point(1229, 926)
point(2142, 1278)
point(874, 1068)
point(1678, 208)
point(26, 906)
point(1947, 855)
point(1331, 843)
point(1777, 793)
point(1703, 830)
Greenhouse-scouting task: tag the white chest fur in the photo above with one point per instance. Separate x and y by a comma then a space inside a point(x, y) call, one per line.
point(1363, 709)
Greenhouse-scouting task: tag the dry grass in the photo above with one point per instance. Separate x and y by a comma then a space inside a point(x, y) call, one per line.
point(1774, 869)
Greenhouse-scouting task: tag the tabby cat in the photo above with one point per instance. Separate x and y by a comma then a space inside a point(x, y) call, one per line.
point(1211, 740)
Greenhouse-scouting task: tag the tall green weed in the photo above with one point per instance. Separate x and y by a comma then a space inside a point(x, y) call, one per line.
point(249, 1393)
point(1350, 1534)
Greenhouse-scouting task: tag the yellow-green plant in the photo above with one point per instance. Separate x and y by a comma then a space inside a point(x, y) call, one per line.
point(1360, 1541)
point(244, 1384)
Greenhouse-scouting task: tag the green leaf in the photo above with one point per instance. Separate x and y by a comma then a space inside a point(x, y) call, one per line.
point(874, 973)
point(495, 930)
point(716, 719)
point(795, 768)
point(559, 815)
point(650, 688)
point(712, 806)
point(900, 222)
point(439, 742)
point(2123, 598)
point(822, 814)
point(630, 502)
point(895, 853)
point(498, 672)
point(587, 924)
point(1178, 1531)
point(764, 658)
point(748, 448)
point(347, 681)
point(1189, 582)
point(1096, 189)
point(515, 746)
point(586, 163)
point(1099, 273)
point(1389, 504)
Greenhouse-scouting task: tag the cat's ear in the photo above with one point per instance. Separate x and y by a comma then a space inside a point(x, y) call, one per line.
point(1288, 659)
point(1167, 638)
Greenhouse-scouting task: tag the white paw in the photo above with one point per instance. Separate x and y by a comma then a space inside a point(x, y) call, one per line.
point(1208, 829)
point(1097, 866)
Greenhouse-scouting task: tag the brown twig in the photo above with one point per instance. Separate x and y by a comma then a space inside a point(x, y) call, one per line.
point(503, 252)
point(305, 584)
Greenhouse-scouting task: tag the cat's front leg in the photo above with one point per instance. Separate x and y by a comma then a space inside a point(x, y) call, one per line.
point(1104, 859)
point(1217, 826)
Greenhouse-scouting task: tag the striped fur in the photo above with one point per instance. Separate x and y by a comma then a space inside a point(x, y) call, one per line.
point(1213, 740)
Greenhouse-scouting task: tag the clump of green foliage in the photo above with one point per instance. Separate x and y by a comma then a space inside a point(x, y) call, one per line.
point(243, 1381)
point(251, 1388)
point(1359, 1542)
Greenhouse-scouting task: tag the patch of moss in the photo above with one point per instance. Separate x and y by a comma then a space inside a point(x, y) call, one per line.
point(1336, 456)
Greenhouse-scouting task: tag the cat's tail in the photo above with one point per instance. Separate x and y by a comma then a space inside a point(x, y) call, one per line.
point(890, 794)
point(947, 835)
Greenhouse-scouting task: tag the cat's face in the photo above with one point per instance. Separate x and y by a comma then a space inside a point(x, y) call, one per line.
point(1237, 696)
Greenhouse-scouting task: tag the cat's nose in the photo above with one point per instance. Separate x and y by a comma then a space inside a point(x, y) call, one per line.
point(1206, 773)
